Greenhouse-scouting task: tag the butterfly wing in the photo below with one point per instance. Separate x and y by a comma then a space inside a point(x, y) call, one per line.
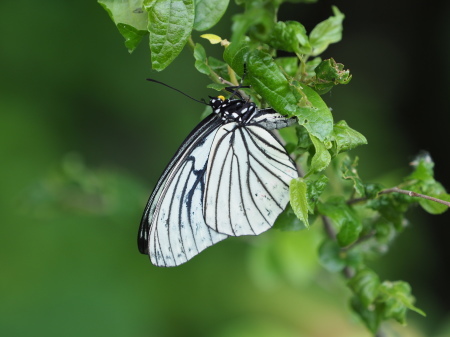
point(248, 175)
point(173, 229)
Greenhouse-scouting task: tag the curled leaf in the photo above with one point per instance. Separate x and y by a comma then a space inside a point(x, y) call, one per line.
point(329, 74)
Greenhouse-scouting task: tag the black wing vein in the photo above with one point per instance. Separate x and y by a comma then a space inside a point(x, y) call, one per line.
point(262, 185)
point(173, 228)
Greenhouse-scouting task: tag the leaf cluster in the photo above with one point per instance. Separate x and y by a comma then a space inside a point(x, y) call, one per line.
point(377, 301)
point(361, 219)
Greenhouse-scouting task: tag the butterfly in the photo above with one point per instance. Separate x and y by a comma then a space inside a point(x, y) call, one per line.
point(230, 177)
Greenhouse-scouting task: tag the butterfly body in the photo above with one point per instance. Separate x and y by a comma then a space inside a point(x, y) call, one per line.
point(230, 177)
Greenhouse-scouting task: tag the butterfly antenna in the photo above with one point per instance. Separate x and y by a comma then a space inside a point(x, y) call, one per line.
point(235, 89)
point(168, 86)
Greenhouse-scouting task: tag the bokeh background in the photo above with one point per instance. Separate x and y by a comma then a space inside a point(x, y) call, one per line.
point(84, 138)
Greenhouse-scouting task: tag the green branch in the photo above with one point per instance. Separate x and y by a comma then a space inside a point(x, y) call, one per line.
point(405, 192)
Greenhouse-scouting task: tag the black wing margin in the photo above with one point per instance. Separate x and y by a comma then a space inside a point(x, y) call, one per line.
point(173, 229)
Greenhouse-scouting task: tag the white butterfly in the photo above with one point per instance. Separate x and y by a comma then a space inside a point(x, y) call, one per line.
point(230, 177)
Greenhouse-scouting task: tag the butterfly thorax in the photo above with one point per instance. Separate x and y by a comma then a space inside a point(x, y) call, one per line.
point(236, 110)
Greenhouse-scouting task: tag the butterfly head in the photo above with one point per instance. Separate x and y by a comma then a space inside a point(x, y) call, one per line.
point(232, 110)
point(217, 103)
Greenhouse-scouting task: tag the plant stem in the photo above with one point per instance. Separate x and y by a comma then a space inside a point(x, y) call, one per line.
point(406, 192)
point(347, 271)
point(415, 194)
point(329, 228)
point(191, 43)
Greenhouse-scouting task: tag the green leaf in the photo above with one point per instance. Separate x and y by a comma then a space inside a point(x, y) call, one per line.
point(365, 285)
point(298, 198)
point(349, 171)
point(433, 207)
point(397, 298)
point(217, 86)
point(329, 74)
point(330, 70)
point(132, 35)
point(206, 112)
point(431, 188)
point(331, 257)
point(346, 138)
point(392, 207)
point(208, 13)
point(129, 18)
point(321, 158)
point(257, 21)
point(304, 140)
point(371, 317)
point(423, 168)
point(312, 112)
point(384, 231)
point(288, 64)
point(128, 12)
point(268, 80)
point(421, 180)
point(289, 36)
point(236, 56)
point(170, 25)
point(326, 32)
point(219, 67)
point(288, 221)
point(344, 217)
point(311, 67)
point(372, 189)
point(315, 184)
point(200, 59)
point(289, 135)
point(349, 232)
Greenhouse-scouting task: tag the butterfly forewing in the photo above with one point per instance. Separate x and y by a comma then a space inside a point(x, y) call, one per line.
point(174, 214)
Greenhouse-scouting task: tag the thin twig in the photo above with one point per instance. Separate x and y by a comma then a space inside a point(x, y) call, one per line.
point(224, 81)
point(329, 229)
point(415, 194)
point(406, 192)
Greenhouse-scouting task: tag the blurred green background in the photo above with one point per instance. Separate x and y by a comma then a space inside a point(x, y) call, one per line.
point(84, 139)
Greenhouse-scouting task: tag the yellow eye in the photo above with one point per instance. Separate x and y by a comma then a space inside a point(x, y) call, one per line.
point(221, 97)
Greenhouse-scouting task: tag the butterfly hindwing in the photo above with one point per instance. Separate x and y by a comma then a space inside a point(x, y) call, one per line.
point(173, 229)
point(247, 182)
